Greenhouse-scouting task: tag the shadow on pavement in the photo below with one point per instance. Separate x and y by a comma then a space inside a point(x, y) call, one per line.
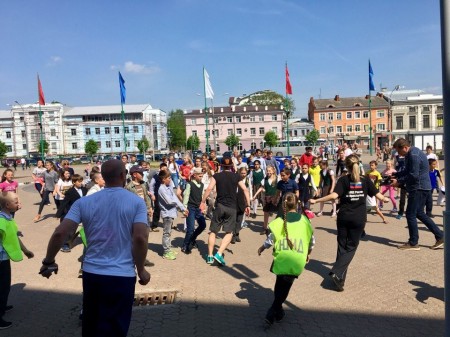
point(426, 291)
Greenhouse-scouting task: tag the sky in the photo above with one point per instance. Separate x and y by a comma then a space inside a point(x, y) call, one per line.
point(161, 47)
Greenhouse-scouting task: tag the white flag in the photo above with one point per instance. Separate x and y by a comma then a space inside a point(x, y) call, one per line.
point(209, 93)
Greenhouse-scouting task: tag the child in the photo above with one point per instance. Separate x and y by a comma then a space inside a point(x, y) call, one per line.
point(292, 239)
point(138, 187)
point(8, 184)
point(375, 176)
point(294, 169)
point(11, 247)
point(192, 198)
point(269, 187)
point(62, 186)
point(257, 177)
point(340, 163)
point(434, 175)
point(314, 171)
point(305, 183)
point(208, 172)
point(168, 203)
point(284, 186)
point(326, 186)
point(385, 188)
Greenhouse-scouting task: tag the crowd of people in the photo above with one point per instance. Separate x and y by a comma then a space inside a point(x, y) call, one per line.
point(229, 192)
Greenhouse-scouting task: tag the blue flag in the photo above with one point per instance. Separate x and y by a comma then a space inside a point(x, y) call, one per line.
point(123, 90)
point(371, 86)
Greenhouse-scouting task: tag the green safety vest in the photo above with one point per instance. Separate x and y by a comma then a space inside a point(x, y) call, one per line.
point(288, 261)
point(10, 240)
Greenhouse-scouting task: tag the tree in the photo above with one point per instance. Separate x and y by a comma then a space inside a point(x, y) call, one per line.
point(269, 97)
point(91, 147)
point(177, 128)
point(3, 149)
point(43, 143)
point(193, 142)
point(143, 145)
point(271, 138)
point(312, 136)
point(232, 141)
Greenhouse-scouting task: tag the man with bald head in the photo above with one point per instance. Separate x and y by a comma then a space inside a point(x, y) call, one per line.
point(116, 228)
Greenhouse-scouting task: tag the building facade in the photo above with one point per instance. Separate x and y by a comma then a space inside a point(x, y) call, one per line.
point(249, 123)
point(348, 119)
point(67, 129)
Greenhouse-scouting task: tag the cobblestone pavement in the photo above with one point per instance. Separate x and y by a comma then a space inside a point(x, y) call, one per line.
point(388, 292)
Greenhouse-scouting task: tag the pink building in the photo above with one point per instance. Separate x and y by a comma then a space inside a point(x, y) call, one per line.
point(249, 123)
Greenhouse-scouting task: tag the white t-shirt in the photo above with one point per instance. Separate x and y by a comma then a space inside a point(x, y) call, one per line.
point(348, 152)
point(432, 156)
point(172, 168)
point(108, 217)
point(63, 186)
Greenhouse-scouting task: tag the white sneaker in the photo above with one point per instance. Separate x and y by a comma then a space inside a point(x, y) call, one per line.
point(319, 214)
point(333, 215)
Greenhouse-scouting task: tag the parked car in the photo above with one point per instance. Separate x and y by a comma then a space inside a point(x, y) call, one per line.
point(32, 162)
point(84, 160)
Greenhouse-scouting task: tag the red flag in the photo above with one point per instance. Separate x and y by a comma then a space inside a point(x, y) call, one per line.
point(288, 83)
point(41, 93)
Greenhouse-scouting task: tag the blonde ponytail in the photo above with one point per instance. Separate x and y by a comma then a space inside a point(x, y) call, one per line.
point(352, 164)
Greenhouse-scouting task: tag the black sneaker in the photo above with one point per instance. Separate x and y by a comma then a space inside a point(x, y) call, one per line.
point(270, 316)
point(193, 245)
point(4, 324)
point(338, 282)
point(233, 239)
point(65, 249)
point(186, 250)
point(9, 308)
point(237, 238)
point(280, 315)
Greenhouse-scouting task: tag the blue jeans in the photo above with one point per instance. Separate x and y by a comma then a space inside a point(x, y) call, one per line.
point(414, 211)
point(174, 177)
point(191, 235)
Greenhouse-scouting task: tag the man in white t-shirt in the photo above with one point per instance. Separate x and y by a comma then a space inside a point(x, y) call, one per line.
point(116, 228)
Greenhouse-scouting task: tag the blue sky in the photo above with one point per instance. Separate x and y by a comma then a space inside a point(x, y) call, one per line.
point(160, 47)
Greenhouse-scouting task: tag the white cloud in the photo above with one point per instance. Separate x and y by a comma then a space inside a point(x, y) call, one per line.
point(135, 68)
point(54, 60)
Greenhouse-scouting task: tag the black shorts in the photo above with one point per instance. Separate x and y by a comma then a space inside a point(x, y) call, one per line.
point(225, 217)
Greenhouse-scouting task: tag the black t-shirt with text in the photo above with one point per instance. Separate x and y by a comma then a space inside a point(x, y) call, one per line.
point(352, 198)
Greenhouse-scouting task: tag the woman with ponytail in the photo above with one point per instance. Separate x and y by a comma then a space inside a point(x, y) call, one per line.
point(352, 190)
point(292, 239)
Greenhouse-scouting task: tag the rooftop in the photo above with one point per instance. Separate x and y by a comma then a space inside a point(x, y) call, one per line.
point(349, 102)
point(105, 109)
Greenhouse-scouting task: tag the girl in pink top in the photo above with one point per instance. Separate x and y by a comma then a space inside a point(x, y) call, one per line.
point(8, 184)
point(385, 188)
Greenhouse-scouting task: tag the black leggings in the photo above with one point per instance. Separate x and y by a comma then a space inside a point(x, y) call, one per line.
point(283, 285)
point(45, 199)
point(5, 284)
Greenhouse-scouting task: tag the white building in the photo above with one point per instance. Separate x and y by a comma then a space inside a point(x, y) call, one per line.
point(67, 129)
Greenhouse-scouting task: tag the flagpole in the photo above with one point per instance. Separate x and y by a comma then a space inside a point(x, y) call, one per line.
point(287, 119)
point(206, 114)
point(41, 140)
point(122, 101)
point(370, 115)
point(123, 127)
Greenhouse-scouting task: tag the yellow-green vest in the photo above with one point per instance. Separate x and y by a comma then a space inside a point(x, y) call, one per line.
point(10, 240)
point(288, 261)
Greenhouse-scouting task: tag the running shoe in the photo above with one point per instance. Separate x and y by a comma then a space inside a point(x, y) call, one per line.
point(399, 216)
point(219, 258)
point(169, 256)
point(209, 259)
point(394, 210)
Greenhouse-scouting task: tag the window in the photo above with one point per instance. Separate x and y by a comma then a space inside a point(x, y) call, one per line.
point(88, 131)
point(440, 120)
point(252, 131)
point(24, 146)
point(380, 113)
point(261, 118)
point(117, 143)
point(338, 129)
point(426, 108)
point(238, 119)
point(99, 144)
point(321, 117)
point(194, 132)
point(229, 119)
point(74, 146)
point(331, 130)
point(330, 116)
point(107, 131)
point(252, 118)
point(381, 127)
point(357, 127)
point(239, 132)
point(229, 132)
point(322, 130)
point(274, 117)
point(412, 109)
point(426, 121)
point(217, 147)
point(135, 129)
point(365, 114)
point(349, 115)
point(253, 146)
point(73, 132)
point(126, 129)
point(97, 131)
point(303, 132)
point(128, 143)
point(116, 130)
point(53, 146)
point(349, 128)
point(215, 119)
point(261, 131)
point(193, 121)
point(338, 116)
point(275, 129)
point(399, 122)
point(108, 144)
point(357, 114)
point(239, 146)
point(8, 148)
point(23, 133)
point(52, 132)
point(412, 122)
point(8, 134)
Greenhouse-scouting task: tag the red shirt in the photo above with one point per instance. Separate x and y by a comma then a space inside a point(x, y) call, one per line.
point(306, 158)
point(186, 171)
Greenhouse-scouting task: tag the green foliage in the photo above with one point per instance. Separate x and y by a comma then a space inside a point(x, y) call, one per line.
point(269, 97)
point(193, 143)
point(312, 136)
point(271, 138)
point(177, 128)
point(43, 143)
point(143, 145)
point(91, 147)
point(232, 141)
point(3, 149)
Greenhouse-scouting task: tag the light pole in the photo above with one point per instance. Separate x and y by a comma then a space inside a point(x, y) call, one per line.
point(26, 131)
point(390, 119)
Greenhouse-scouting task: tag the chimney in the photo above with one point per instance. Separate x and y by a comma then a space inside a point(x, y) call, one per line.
point(336, 98)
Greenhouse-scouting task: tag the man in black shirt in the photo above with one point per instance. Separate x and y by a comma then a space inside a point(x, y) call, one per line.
point(226, 183)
